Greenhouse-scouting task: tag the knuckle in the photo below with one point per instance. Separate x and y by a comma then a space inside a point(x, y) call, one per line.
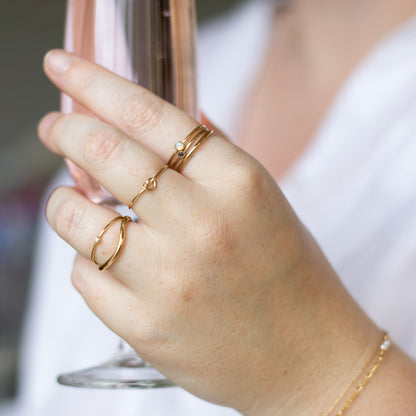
point(180, 290)
point(248, 178)
point(68, 217)
point(187, 292)
point(140, 114)
point(84, 76)
point(251, 185)
point(59, 125)
point(101, 146)
point(222, 239)
point(151, 332)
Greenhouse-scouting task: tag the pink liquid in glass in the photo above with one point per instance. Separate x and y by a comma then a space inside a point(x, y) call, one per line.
point(149, 42)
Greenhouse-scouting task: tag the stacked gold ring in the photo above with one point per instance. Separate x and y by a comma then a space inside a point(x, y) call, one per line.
point(120, 245)
point(187, 147)
point(184, 150)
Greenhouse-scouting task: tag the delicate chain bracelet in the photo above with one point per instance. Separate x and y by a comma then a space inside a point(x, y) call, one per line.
point(360, 386)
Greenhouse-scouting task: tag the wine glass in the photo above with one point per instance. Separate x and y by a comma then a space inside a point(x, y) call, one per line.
point(152, 43)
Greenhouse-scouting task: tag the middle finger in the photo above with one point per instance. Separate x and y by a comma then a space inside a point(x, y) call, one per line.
point(137, 112)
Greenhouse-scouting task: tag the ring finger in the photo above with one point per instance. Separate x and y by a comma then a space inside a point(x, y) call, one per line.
point(120, 164)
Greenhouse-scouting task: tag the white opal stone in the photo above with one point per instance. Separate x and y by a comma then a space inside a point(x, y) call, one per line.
point(179, 146)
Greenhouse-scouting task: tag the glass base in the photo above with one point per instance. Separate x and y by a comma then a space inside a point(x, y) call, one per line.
point(124, 371)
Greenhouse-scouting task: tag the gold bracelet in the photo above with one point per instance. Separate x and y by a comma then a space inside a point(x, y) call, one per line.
point(385, 345)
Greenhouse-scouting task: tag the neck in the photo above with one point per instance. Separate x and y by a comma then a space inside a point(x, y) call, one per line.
point(315, 46)
point(331, 34)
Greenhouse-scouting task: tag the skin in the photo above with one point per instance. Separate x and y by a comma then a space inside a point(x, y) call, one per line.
point(225, 291)
point(314, 46)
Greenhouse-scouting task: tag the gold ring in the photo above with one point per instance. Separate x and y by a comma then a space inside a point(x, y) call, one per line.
point(149, 185)
point(187, 147)
point(121, 240)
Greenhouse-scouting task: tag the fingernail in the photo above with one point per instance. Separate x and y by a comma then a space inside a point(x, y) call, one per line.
point(46, 123)
point(58, 61)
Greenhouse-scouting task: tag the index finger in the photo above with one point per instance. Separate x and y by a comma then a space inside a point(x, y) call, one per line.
point(136, 111)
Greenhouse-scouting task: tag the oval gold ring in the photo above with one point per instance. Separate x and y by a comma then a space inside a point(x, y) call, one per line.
point(120, 245)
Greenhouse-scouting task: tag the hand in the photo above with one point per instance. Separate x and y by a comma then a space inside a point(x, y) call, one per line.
point(219, 286)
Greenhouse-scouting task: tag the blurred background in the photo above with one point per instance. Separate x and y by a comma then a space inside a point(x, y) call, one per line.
point(28, 29)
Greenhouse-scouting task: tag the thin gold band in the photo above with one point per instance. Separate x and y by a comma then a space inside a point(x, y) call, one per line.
point(183, 146)
point(194, 148)
point(187, 147)
point(149, 185)
point(184, 151)
point(121, 241)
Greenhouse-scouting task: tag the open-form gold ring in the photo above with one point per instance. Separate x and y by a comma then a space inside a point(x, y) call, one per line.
point(121, 241)
point(188, 146)
point(149, 185)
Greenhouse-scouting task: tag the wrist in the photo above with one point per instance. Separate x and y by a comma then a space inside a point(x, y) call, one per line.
point(334, 344)
point(327, 378)
point(391, 390)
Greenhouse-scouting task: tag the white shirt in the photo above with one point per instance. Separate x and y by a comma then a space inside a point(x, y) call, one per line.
point(353, 187)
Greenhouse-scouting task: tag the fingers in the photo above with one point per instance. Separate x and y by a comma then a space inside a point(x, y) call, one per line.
point(138, 113)
point(120, 164)
point(108, 297)
point(79, 221)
